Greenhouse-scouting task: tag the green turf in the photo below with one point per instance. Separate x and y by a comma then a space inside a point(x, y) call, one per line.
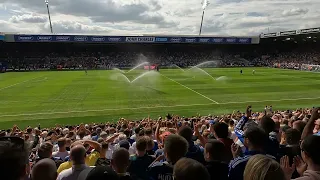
point(29, 98)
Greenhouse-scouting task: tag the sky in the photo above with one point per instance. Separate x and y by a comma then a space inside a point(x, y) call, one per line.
point(141, 17)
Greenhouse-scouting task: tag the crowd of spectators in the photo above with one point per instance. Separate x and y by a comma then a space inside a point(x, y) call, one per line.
point(268, 145)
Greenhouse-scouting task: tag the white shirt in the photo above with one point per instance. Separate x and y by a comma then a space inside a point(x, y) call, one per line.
point(61, 155)
point(71, 173)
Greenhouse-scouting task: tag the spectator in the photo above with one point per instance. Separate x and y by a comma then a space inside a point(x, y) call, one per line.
point(272, 144)
point(102, 160)
point(141, 160)
point(98, 173)
point(120, 163)
point(194, 151)
point(254, 140)
point(215, 152)
point(45, 169)
point(62, 153)
point(221, 132)
point(189, 169)
point(175, 147)
point(77, 156)
point(309, 166)
point(261, 167)
point(14, 158)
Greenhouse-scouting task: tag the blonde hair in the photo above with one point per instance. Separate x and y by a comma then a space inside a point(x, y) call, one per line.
point(261, 167)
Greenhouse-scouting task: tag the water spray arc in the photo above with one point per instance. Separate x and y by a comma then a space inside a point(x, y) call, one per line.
point(205, 4)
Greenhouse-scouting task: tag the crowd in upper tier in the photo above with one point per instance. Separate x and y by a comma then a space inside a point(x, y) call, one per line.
point(268, 145)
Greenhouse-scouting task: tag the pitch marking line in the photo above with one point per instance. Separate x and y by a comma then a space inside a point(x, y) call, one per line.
point(150, 107)
point(19, 83)
point(191, 89)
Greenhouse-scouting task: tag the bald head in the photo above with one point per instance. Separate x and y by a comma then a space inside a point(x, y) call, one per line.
point(44, 169)
point(78, 154)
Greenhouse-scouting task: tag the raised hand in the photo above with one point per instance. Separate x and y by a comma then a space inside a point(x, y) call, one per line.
point(285, 165)
point(301, 166)
point(236, 150)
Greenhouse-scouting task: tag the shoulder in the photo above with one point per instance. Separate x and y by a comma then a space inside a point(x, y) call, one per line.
point(238, 161)
point(133, 157)
point(65, 173)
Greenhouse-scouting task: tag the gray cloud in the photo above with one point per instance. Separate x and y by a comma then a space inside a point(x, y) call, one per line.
point(295, 12)
point(28, 18)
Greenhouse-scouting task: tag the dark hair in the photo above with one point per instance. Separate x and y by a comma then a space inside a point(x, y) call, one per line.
point(189, 169)
point(141, 144)
point(256, 136)
point(62, 142)
point(120, 158)
point(127, 132)
point(186, 132)
point(148, 131)
point(45, 150)
point(175, 147)
point(293, 136)
point(14, 160)
point(216, 149)
point(221, 129)
point(311, 147)
point(104, 145)
point(267, 124)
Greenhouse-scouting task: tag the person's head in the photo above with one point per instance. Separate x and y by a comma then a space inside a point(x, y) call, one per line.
point(120, 160)
point(104, 147)
point(221, 130)
point(255, 138)
point(141, 145)
point(310, 148)
point(214, 150)
point(299, 125)
point(44, 169)
point(186, 132)
point(127, 132)
point(124, 144)
point(148, 132)
point(98, 173)
point(292, 136)
point(45, 150)
point(13, 158)
point(189, 169)
point(267, 124)
point(175, 147)
point(150, 143)
point(62, 142)
point(261, 167)
point(78, 154)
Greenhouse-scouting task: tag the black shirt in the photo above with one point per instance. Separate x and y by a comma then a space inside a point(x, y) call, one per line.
point(139, 165)
point(217, 170)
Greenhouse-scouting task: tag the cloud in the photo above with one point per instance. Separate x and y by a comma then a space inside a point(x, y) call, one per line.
point(28, 18)
point(295, 12)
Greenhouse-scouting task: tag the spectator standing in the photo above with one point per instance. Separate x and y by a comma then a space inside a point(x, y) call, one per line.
point(62, 153)
point(221, 132)
point(45, 169)
point(194, 151)
point(175, 147)
point(214, 153)
point(189, 169)
point(77, 156)
point(254, 140)
point(261, 167)
point(120, 163)
point(140, 161)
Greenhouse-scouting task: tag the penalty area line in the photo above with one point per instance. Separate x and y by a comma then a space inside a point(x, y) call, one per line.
point(191, 89)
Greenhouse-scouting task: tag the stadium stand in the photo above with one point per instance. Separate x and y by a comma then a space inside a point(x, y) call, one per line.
point(243, 145)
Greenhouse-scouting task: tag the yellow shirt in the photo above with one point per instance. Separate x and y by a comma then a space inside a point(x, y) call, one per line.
point(90, 161)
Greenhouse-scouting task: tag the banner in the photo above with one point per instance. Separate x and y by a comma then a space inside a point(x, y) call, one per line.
point(290, 33)
point(131, 39)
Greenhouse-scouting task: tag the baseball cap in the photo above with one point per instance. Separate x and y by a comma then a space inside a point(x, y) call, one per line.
point(124, 144)
point(211, 122)
point(103, 133)
point(98, 173)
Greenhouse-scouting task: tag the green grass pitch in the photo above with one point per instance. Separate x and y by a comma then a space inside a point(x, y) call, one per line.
point(72, 97)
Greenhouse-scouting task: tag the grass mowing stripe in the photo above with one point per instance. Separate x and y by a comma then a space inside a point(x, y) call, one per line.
point(153, 107)
point(19, 83)
point(191, 89)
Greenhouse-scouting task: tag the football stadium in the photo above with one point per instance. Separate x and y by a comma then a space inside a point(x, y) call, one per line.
point(158, 106)
point(188, 80)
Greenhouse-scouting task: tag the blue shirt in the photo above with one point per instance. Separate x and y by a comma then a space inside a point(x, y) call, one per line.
point(237, 166)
